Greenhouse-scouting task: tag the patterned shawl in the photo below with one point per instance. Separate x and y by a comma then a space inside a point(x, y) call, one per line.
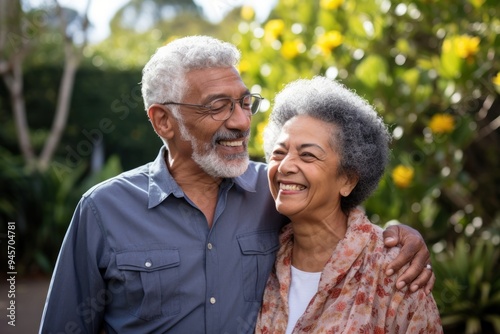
point(354, 294)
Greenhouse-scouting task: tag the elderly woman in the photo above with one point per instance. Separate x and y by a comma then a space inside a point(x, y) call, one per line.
point(327, 149)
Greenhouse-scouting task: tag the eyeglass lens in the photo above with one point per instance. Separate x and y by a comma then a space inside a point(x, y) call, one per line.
point(221, 112)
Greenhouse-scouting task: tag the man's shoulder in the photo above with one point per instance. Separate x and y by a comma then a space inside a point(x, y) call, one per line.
point(256, 168)
point(258, 164)
point(254, 177)
point(135, 178)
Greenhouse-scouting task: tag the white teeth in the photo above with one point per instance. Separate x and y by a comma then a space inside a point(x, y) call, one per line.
point(291, 187)
point(231, 143)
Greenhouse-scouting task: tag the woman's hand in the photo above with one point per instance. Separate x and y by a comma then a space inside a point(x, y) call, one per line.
point(413, 251)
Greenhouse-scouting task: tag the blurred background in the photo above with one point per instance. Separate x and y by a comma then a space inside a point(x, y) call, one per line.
point(72, 115)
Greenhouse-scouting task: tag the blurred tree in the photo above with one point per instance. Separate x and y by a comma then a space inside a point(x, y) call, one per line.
point(106, 116)
point(428, 67)
point(19, 32)
point(431, 69)
point(136, 33)
point(143, 15)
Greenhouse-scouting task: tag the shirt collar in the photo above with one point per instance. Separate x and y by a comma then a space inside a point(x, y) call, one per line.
point(162, 184)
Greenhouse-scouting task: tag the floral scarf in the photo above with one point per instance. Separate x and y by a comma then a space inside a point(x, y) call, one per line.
point(354, 294)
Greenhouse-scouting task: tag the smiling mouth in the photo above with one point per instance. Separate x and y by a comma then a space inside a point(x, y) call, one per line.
point(295, 187)
point(231, 143)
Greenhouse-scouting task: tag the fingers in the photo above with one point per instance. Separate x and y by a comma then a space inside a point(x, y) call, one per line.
point(422, 280)
point(430, 284)
point(391, 236)
point(413, 251)
point(416, 275)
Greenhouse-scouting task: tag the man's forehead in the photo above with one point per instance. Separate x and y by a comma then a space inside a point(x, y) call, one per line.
point(220, 80)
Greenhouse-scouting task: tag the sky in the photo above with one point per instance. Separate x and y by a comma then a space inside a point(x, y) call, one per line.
point(101, 11)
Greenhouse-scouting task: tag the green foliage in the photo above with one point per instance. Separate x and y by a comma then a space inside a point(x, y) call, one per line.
point(106, 107)
point(413, 60)
point(42, 204)
point(127, 49)
point(467, 289)
point(429, 69)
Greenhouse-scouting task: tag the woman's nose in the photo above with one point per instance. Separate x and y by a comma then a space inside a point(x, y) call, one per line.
point(287, 165)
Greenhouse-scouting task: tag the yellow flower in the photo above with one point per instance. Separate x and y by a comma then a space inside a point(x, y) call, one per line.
point(290, 49)
point(331, 4)
point(329, 41)
point(247, 13)
point(442, 123)
point(477, 3)
point(447, 46)
point(402, 176)
point(244, 66)
point(496, 79)
point(273, 29)
point(466, 46)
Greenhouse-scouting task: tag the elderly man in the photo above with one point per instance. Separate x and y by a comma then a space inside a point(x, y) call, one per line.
point(185, 243)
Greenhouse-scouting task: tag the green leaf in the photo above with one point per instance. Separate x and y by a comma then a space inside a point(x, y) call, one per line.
point(472, 326)
point(495, 321)
point(356, 26)
point(450, 62)
point(371, 70)
point(411, 77)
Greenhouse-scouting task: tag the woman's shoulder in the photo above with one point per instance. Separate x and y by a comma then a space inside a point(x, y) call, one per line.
point(369, 237)
point(363, 232)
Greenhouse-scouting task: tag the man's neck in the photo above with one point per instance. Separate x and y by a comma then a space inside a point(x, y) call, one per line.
point(202, 189)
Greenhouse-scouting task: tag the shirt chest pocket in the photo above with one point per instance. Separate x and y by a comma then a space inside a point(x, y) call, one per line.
point(259, 252)
point(151, 281)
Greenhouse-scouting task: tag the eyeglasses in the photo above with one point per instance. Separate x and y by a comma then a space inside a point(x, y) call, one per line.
point(222, 108)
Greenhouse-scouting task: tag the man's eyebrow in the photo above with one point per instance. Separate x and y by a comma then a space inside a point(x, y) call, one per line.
point(212, 97)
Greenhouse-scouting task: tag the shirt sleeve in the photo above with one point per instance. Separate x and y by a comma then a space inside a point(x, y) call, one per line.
point(77, 294)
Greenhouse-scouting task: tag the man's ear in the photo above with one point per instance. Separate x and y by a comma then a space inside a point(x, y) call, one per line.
point(162, 120)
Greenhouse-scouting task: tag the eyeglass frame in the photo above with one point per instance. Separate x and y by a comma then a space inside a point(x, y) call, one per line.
point(211, 112)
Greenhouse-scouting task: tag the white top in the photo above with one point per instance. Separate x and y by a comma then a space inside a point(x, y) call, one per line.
point(303, 287)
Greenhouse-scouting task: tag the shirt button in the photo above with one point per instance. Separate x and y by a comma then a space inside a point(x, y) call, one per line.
point(209, 246)
point(148, 264)
point(212, 300)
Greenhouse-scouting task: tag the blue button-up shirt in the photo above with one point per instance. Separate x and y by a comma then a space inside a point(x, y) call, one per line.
point(139, 257)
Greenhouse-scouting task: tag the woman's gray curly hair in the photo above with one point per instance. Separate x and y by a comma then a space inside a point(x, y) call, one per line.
point(362, 141)
point(163, 77)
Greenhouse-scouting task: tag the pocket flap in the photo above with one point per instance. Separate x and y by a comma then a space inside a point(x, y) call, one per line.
point(148, 260)
point(263, 242)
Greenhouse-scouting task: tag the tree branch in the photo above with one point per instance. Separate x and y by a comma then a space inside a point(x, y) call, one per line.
point(73, 55)
point(12, 72)
point(15, 84)
point(483, 112)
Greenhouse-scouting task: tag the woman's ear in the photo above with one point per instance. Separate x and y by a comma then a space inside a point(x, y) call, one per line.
point(162, 120)
point(351, 180)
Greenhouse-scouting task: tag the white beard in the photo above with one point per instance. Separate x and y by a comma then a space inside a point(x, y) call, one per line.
point(213, 164)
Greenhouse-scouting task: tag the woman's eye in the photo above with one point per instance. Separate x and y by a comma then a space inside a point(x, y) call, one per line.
point(308, 155)
point(278, 153)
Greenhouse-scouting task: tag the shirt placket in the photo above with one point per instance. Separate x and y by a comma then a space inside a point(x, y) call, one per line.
point(212, 270)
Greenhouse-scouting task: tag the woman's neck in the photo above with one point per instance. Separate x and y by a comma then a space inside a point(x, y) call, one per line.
point(315, 241)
